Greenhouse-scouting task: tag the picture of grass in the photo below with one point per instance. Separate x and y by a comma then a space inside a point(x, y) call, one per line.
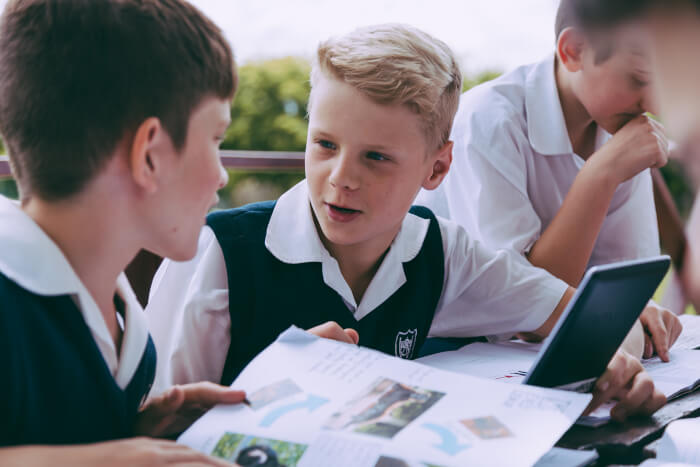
point(250, 451)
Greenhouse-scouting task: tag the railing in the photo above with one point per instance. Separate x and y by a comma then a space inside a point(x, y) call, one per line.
point(4, 167)
point(141, 270)
point(246, 160)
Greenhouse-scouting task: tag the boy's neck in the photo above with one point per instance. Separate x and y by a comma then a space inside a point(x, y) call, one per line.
point(87, 232)
point(580, 126)
point(358, 263)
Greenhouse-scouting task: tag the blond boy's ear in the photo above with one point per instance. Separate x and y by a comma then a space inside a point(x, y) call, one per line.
point(570, 47)
point(146, 158)
point(440, 165)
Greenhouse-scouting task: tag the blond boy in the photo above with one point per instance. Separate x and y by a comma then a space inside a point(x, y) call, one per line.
point(345, 244)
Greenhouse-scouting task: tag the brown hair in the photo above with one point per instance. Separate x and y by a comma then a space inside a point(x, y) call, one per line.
point(397, 64)
point(77, 76)
point(597, 18)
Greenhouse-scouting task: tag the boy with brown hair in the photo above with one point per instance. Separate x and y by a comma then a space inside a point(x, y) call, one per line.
point(112, 113)
point(552, 159)
point(346, 245)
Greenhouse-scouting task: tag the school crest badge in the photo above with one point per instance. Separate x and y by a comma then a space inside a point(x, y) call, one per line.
point(406, 343)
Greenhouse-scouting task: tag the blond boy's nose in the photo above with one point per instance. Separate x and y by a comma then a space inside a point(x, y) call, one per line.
point(342, 175)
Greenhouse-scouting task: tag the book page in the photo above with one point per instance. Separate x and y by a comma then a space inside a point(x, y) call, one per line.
point(690, 336)
point(316, 402)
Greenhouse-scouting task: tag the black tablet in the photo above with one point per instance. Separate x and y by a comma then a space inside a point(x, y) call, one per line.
point(608, 301)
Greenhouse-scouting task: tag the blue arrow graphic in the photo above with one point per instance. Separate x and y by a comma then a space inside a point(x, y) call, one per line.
point(311, 403)
point(449, 445)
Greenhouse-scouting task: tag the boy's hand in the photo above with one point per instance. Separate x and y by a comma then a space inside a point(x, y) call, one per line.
point(626, 381)
point(147, 452)
point(134, 452)
point(661, 329)
point(177, 408)
point(332, 330)
point(638, 145)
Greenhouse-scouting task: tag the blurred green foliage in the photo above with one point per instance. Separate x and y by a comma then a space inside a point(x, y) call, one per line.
point(269, 112)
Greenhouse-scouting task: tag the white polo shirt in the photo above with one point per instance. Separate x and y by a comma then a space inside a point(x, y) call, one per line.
point(484, 293)
point(34, 262)
point(514, 164)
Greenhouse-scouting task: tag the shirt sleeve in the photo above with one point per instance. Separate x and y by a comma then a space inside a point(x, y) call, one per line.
point(490, 293)
point(188, 314)
point(486, 189)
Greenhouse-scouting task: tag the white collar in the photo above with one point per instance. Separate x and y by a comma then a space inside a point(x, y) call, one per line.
point(292, 238)
point(31, 259)
point(546, 125)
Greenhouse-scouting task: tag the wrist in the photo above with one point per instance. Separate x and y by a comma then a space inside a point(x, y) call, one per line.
point(600, 174)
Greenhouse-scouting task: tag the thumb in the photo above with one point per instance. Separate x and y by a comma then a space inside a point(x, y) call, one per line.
point(353, 335)
point(167, 402)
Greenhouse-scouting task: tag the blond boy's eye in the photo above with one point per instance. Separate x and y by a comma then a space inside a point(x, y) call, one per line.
point(376, 156)
point(326, 144)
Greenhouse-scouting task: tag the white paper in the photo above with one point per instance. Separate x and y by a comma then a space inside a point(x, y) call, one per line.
point(317, 402)
point(503, 361)
point(510, 361)
point(690, 336)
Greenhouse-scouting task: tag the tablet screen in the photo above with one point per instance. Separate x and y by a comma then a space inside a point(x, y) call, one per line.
point(609, 300)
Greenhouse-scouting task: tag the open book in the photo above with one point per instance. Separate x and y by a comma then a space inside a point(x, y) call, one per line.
point(510, 361)
point(316, 402)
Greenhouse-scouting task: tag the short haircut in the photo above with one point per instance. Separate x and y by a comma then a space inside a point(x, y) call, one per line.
point(597, 14)
point(396, 64)
point(596, 18)
point(78, 76)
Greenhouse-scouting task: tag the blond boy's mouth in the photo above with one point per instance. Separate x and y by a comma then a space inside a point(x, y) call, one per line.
point(341, 213)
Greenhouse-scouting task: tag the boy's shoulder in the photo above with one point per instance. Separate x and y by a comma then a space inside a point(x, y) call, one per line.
point(504, 103)
point(242, 225)
point(253, 212)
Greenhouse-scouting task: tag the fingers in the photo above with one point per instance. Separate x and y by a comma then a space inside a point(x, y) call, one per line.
point(207, 394)
point(641, 398)
point(674, 327)
point(145, 451)
point(648, 346)
point(353, 335)
point(655, 326)
point(664, 328)
point(164, 404)
point(620, 372)
point(331, 330)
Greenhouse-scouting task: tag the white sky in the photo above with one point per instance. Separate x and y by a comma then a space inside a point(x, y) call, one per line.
point(485, 34)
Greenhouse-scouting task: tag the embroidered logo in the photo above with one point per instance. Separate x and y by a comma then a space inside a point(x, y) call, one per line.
point(406, 343)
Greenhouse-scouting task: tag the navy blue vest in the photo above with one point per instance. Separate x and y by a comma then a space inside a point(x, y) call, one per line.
point(56, 388)
point(266, 295)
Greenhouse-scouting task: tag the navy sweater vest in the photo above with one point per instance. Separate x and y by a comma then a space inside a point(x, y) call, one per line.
point(266, 295)
point(56, 387)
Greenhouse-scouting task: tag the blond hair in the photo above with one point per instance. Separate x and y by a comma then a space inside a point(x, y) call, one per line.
point(396, 64)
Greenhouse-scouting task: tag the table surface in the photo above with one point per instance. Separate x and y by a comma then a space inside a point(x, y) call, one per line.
point(629, 443)
point(626, 443)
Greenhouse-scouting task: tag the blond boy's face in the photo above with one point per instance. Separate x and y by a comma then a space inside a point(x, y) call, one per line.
point(617, 90)
point(365, 163)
